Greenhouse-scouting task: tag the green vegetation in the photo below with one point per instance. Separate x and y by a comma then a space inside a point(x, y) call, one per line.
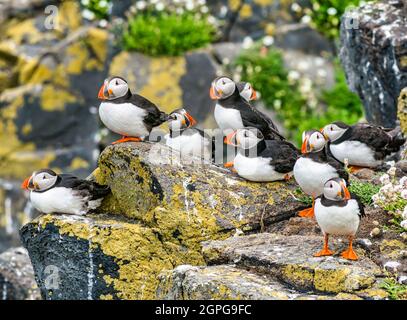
point(302, 197)
point(99, 8)
point(170, 31)
point(396, 290)
point(364, 190)
point(268, 75)
point(326, 15)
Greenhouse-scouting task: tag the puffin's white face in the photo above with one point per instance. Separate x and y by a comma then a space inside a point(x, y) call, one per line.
point(244, 138)
point(40, 180)
point(336, 190)
point(113, 88)
point(180, 119)
point(248, 93)
point(222, 88)
point(333, 132)
point(312, 141)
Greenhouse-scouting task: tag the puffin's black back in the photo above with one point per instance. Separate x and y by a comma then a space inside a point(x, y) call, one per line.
point(95, 190)
point(252, 117)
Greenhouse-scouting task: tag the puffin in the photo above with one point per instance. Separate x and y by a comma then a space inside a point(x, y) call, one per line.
point(364, 145)
point(314, 167)
point(246, 91)
point(63, 193)
point(262, 160)
point(186, 139)
point(233, 112)
point(338, 212)
point(125, 113)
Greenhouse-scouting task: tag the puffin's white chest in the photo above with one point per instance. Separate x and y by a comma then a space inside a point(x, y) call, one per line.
point(193, 145)
point(256, 169)
point(311, 175)
point(125, 118)
point(58, 200)
point(357, 153)
point(338, 220)
point(228, 118)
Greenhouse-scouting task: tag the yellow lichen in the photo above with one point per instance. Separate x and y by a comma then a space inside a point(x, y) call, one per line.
point(298, 276)
point(331, 280)
point(55, 99)
point(78, 163)
point(246, 11)
point(402, 110)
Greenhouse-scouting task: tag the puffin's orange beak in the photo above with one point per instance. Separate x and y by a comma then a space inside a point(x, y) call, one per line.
point(254, 95)
point(346, 192)
point(101, 94)
point(212, 94)
point(26, 183)
point(324, 134)
point(304, 145)
point(229, 139)
point(191, 120)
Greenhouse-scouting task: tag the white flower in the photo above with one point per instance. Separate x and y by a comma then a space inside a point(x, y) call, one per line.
point(140, 5)
point(403, 224)
point(87, 14)
point(103, 3)
point(159, 6)
point(385, 179)
point(392, 171)
point(404, 214)
point(247, 42)
point(268, 41)
point(293, 75)
point(295, 7)
point(85, 2)
point(306, 19)
point(332, 11)
point(403, 182)
point(403, 194)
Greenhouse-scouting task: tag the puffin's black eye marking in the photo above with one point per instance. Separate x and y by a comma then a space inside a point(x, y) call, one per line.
point(117, 82)
point(44, 177)
point(246, 134)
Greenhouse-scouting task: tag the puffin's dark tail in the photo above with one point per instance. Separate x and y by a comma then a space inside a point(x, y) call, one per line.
point(99, 191)
point(397, 140)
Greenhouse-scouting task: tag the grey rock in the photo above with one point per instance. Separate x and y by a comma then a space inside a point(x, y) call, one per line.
point(373, 53)
point(17, 276)
point(279, 256)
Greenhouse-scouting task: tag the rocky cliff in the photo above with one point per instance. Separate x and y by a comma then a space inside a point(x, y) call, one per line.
point(174, 230)
point(374, 55)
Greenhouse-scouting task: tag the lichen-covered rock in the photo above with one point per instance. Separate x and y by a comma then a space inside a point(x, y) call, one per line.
point(159, 213)
point(17, 276)
point(402, 110)
point(49, 79)
point(290, 260)
point(149, 183)
point(373, 53)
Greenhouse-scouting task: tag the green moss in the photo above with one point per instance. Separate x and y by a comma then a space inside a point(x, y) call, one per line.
point(395, 290)
point(364, 190)
point(162, 33)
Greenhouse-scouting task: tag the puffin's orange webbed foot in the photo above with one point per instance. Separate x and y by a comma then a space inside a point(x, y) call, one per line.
point(228, 164)
point(287, 177)
point(324, 252)
point(128, 139)
point(349, 254)
point(307, 213)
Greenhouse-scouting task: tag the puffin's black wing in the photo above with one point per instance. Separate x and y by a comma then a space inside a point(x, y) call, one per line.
point(282, 153)
point(360, 204)
point(373, 136)
point(154, 116)
point(88, 188)
point(339, 167)
point(252, 117)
